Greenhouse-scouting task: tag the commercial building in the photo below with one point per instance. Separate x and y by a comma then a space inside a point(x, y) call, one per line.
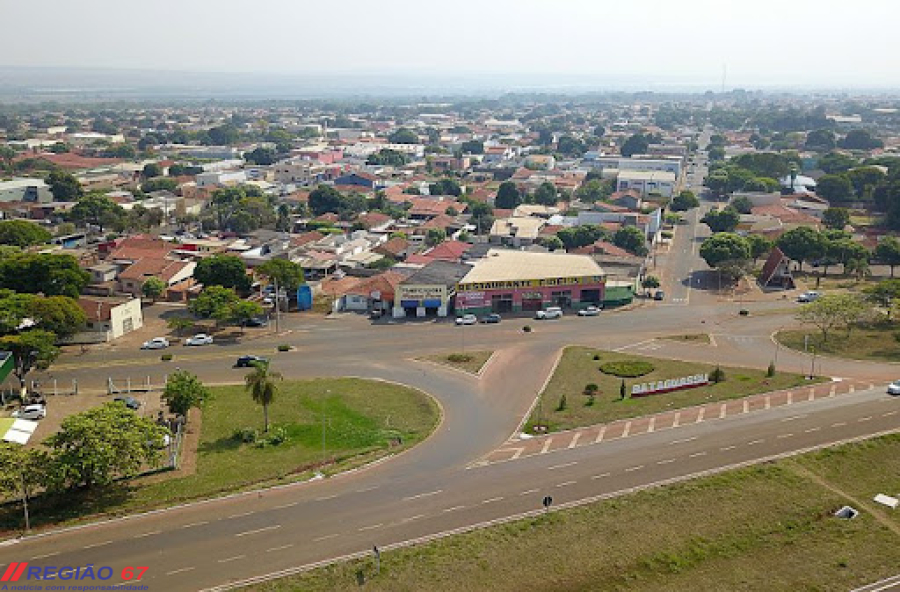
point(25, 189)
point(430, 290)
point(108, 318)
point(517, 281)
point(647, 182)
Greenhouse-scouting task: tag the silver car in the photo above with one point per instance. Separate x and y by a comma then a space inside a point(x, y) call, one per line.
point(199, 339)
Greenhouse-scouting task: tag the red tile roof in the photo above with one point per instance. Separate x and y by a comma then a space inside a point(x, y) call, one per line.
point(164, 269)
point(450, 250)
point(386, 283)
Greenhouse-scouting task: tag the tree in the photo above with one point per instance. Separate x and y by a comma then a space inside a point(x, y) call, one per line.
point(884, 293)
point(888, 252)
point(570, 146)
point(223, 135)
point(445, 186)
point(820, 140)
point(215, 302)
point(435, 236)
point(636, 144)
point(261, 156)
point(836, 218)
point(631, 239)
point(857, 267)
point(49, 274)
point(552, 243)
point(860, 140)
point(508, 196)
point(96, 209)
point(472, 147)
point(832, 310)
point(153, 288)
point(244, 310)
point(22, 233)
point(834, 163)
point(179, 324)
point(183, 392)
point(764, 164)
point(403, 135)
point(260, 383)
point(151, 169)
point(684, 201)
point(650, 282)
point(60, 315)
point(725, 220)
point(759, 245)
point(864, 180)
point(546, 194)
point(835, 187)
point(95, 446)
point(159, 184)
point(22, 470)
point(802, 244)
point(324, 199)
point(724, 247)
point(288, 274)
point(64, 186)
point(717, 181)
point(222, 270)
point(30, 349)
point(742, 204)
point(387, 157)
point(594, 190)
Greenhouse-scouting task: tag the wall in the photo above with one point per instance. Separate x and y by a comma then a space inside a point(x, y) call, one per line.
point(479, 302)
point(122, 314)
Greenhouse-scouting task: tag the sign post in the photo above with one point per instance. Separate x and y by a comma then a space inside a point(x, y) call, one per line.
point(377, 559)
point(547, 501)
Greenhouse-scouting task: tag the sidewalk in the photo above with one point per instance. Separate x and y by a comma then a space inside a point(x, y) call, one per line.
point(518, 447)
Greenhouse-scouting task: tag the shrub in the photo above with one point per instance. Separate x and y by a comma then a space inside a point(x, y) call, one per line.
point(591, 399)
point(527, 328)
point(596, 357)
point(770, 371)
point(459, 358)
point(284, 347)
point(166, 357)
point(246, 435)
point(590, 389)
point(717, 375)
point(277, 435)
point(627, 368)
point(562, 404)
point(623, 392)
point(744, 312)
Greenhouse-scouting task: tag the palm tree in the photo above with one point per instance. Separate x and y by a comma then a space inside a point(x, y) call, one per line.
point(260, 383)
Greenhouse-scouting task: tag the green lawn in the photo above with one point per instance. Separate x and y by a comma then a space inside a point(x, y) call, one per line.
point(363, 420)
point(768, 528)
point(577, 368)
point(469, 361)
point(862, 343)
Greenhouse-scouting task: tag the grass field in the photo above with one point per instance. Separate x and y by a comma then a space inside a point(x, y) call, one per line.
point(363, 420)
point(862, 343)
point(697, 338)
point(469, 361)
point(761, 528)
point(577, 368)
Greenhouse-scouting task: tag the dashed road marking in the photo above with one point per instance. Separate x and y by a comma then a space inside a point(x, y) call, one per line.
point(372, 527)
point(665, 462)
point(331, 536)
point(146, 534)
point(839, 424)
point(411, 518)
point(546, 445)
point(793, 417)
point(493, 499)
point(258, 530)
point(281, 548)
point(283, 506)
point(568, 464)
point(241, 515)
point(783, 436)
point(866, 418)
point(44, 556)
point(95, 545)
point(421, 495)
point(683, 440)
point(754, 442)
point(454, 508)
point(600, 435)
point(888, 414)
point(567, 483)
point(193, 524)
point(530, 491)
point(725, 448)
point(326, 497)
point(367, 489)
point(574, 441)
point(631, 469)
point(177, 571)
point(811, 430)
point(600, 476)
point(696, 454)
point(235, 558)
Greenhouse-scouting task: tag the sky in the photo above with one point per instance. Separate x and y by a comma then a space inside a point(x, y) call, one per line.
point(651, 43)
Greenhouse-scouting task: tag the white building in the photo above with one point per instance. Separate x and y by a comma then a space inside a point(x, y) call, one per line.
point(25, 189)
point(218, 178)
point(647, 182)
point(109, 318)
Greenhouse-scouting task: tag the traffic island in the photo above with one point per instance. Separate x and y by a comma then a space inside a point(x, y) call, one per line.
point(472, 362)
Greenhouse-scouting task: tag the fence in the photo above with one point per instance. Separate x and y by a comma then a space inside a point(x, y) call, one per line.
point(127, 386)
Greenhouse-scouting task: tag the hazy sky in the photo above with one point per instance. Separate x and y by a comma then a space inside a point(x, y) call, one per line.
point(763, 42)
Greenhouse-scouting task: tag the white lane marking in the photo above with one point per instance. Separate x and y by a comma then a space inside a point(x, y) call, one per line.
point(44, 556)
point(811, 430)
point(493, 499)
point(627, 430)
point(665, 462)
point(722, 410)
point(529, 491)
point(283, 506)
point(241, 515)
point(568, 464)
point(676, 421)
point(839, 424)
point(365, 489)
point(574, 441)
point(96, 545)
point(793, 417)
point(888, 414)
point(768, 402)
point(696, 454)
point(600, 435)
point(281, 548)
point(637, 468)
point(146, 534)
point(652, 425)
point(411, 518)
point(327, 536)
point(600, 476)
point(782, 436)
point(258, 530)
point(546, 447)
point(518, 453)
point(235, 558)
point(683, 440)
point(755, 442)
point(374, 526)
point(701, 414)
point(724, 448)
point(567, 483)
point(866, 418)
point(746, 406)
point(454, 508)
point(193, 524)
point(176, 571)
point(421, 495)
point(790, 398)
point(326, 497)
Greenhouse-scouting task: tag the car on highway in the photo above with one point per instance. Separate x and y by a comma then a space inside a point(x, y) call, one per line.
point(551, 312)
point(590, 311)
point(247, 361)
point(467, 319)
point(199, 339)
point(129, 402)
point(894, 388)
point(156, 343)
point(659, 295)
point(491, 318)
point(809, 296)
point(32, 412)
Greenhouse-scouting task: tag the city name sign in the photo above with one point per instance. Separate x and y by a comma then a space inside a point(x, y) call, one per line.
point(665, 386)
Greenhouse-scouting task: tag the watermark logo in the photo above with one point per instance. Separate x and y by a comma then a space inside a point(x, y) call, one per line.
point(13, 572)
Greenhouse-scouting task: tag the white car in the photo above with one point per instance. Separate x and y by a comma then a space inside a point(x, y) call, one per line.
point(590, 311)
point(551, 312)
point(468, 319)
point(199, 339)
point(810, 296)
point(156, 343)
point(33, 412)
point(894, 388)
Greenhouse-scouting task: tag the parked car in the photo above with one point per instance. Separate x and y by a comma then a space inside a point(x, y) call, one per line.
point(468, 319)
point(551, 312)
point(156, 343)
point(894, 388)
point(32, 412)
point(129, 402)
point(491, 318)
point(810, 296)
point(199, 339)
point(256, 322)
point(247, 361)
point(590, 311)
point(659, 295)
point(376, 314)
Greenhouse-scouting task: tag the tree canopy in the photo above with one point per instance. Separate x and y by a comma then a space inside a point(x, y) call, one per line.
point(802, 244)
point(228, 271)
point(725, 247)
point(403, 135)
point(184, 391)
point(64, 186)
point(288, 274)
point(49, 274)
point(684, 201)
point(724, 220)
point(508, 196)
point(22, 233)
point(631, 239)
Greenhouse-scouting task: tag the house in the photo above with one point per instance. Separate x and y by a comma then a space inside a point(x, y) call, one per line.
point(108, 318)
point(395, 248)
point(449, 250)
point(646, 182)
point(516, 231)
point(543, 162)
point(776, 273)
point(132, 278)
point(424, 208)
point(25, 189)
point(376, 293)
point(359, 179)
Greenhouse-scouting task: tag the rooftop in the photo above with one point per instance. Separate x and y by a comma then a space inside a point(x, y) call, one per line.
point(508, 265)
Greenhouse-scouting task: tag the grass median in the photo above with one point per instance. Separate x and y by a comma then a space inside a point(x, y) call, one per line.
point(329, 425)
point(578, 368)
point(471, 362)
point(879, 344)
point(769, 527)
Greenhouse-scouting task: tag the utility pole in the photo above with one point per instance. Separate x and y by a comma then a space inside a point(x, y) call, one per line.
point(25, 503)
point(277, 308)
